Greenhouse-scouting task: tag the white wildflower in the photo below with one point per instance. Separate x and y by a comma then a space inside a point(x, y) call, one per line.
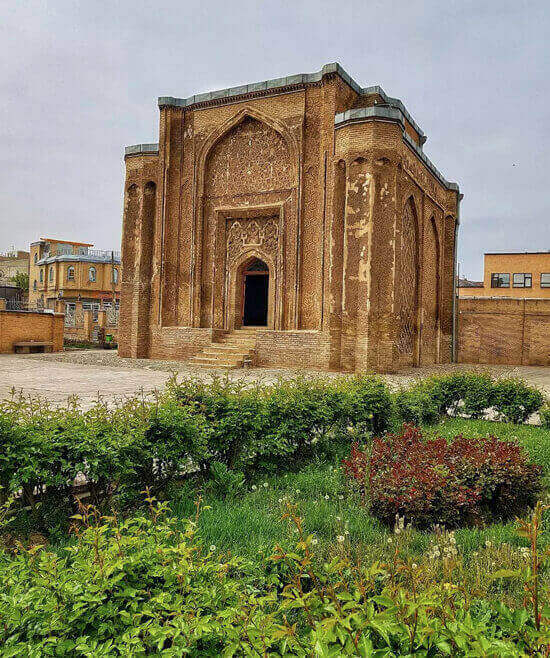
point(340, 538)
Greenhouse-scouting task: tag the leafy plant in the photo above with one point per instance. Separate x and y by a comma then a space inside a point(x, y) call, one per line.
point(223, 482)
point(147, 586)
point(515, 400)
point(433, 481)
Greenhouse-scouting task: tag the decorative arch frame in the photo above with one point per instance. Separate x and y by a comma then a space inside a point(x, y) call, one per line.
point(219, 132)
point(291, 221)
point(435, 233)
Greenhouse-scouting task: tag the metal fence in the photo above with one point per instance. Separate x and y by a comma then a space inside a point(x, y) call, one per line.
point(21, 305)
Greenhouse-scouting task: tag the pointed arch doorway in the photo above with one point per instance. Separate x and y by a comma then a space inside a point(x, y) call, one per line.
point(255, 294)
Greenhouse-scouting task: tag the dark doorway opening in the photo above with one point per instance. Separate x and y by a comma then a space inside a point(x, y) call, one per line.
point(255, 294)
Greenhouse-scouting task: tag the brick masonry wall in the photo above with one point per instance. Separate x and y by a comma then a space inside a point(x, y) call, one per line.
point(17, 326)
point(178, 343)
point(504, 331)
point(293, 349)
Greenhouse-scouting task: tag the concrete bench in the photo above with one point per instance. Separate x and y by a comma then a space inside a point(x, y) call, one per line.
point(32, 346)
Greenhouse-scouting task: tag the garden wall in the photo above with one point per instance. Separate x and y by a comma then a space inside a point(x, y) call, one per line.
point(17, 326)
point(504, 331)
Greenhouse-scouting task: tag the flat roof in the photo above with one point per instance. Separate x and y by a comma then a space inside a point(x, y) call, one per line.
point(517, 253)
point(78, 244)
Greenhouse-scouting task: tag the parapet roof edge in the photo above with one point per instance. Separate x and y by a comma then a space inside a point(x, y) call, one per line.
point(392, 114)
point(300, 78)
point(141, 149)
point(77, 258)
point(517, 253)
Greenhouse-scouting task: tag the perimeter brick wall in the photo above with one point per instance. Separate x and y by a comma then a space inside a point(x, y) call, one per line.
point(504, 331)
point(17, 326)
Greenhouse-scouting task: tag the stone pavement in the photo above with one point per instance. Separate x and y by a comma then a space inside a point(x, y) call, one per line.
point(92, 372)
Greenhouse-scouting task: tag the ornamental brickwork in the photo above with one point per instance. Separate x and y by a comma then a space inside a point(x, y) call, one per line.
point(326, 185)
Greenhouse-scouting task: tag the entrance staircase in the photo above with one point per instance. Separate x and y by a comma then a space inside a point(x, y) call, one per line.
point(232, 351)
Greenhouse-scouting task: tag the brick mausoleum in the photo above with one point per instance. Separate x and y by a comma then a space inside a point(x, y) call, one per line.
point(292, 222)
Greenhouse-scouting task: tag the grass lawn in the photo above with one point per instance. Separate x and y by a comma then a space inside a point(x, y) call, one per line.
point(251, 523)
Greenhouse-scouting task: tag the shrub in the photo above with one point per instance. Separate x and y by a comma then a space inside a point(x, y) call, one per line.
point(544, 416)
point(417, 406)
point(173, 440)
point(233, 418)
point(286, 424)
point(515, 401)
point(146, 586)
point(433, 481)
point(468, 393)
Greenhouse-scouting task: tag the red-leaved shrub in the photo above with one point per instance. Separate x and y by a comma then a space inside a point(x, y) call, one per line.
point(453, 483)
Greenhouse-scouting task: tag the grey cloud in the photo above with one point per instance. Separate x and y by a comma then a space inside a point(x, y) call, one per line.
point(82, 79)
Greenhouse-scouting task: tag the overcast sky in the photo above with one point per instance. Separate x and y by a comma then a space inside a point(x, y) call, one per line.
point(79, 81)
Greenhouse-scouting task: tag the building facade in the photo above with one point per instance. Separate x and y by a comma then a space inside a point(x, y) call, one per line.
point(61, 270)
point(302, 207)
point(517, 275)
point(13, 263)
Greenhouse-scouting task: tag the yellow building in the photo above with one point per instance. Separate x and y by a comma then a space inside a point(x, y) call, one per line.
point(72, 272)
point(516, 274)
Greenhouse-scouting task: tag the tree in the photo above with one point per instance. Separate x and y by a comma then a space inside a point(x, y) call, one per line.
point(21, 280)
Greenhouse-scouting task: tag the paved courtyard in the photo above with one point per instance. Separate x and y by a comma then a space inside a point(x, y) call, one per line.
point(92, 372)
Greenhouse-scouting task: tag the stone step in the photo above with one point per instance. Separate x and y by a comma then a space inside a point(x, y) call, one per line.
point(230, 351)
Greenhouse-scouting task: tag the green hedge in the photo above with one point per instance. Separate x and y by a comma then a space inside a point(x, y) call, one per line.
point(121, 450)
point(469, 393)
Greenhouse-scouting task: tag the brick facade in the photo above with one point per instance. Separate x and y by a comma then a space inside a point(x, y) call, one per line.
point(505, 331)
point(325, 183)
point(18, 326)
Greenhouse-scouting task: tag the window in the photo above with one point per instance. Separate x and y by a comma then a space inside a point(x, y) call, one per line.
point(91, 274)
point(35, 258)
point(51, 273)
point(41, 275)
point(91, 306)
point(115, 275)
point(545, 280)
point(34, 285)
point(70, 273)
point(499, 280)
point(523, 280)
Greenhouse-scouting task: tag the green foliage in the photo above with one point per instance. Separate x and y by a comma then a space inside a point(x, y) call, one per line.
point(223, 482)
point(515, 401)
point(545, 416)
point(417, 406)
point(21, 280)
point(284, 425)
point(469, 393)
point(120, 450)
point(148, 586)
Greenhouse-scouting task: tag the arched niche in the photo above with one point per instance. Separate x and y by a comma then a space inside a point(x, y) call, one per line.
point(407, 292)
